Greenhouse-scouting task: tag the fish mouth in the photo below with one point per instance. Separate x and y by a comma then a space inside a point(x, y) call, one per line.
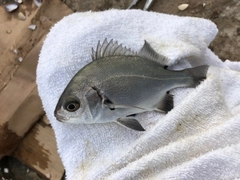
point(61, 118)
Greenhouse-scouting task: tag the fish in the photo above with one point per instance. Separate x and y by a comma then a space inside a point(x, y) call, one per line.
point(119, 83)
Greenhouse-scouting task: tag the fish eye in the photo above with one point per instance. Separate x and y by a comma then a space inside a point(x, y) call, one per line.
point(72, 105)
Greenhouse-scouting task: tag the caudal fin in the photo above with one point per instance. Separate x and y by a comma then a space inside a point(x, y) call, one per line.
point(198, 74)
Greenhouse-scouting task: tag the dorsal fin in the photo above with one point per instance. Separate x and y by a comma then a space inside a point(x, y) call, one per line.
point(110, 49)
point(149, 53)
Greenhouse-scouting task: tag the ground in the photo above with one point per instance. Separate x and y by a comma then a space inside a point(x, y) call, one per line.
point(224, 13)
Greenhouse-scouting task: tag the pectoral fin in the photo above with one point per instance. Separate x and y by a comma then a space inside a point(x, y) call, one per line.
point(131, 123)
point(119, 106)
point(113, 106)
point(106, 101)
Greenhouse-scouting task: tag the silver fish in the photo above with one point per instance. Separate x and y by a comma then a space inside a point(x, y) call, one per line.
point(119, 83)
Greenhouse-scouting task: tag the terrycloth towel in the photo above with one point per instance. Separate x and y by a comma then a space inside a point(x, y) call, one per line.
point(198, 139)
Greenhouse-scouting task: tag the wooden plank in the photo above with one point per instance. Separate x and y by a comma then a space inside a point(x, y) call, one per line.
point(39, 151)
point(23, 39)
point(20, 106)
point(18, 39)
point(21, 85)
point(25, 116)
point(11, 26)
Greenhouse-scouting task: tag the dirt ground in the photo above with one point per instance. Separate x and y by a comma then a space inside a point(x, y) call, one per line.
point(225, 13)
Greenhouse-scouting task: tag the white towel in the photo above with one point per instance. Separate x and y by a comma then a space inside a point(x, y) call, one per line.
point(198, 139)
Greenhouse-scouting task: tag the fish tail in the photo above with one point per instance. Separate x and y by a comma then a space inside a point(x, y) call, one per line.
point(198, 74)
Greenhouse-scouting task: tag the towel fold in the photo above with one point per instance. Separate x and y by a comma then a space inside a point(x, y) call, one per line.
point(198, 139)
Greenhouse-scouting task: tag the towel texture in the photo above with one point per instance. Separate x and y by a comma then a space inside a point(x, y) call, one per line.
point(198, 139)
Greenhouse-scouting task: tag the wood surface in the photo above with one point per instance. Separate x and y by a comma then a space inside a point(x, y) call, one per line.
point(38, 150)
point(21, 133)
point(20, 105)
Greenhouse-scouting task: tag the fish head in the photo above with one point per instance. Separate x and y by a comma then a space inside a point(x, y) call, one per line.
point(78, 104)
point(72, 106)
point(69, 109)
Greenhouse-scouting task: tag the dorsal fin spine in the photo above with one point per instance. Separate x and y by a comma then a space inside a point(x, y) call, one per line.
point(98, 49)
point(108, 45)
point(114, 46)
point(93, 54)
point(110, 49)
point(118, 50)
point(104, 47)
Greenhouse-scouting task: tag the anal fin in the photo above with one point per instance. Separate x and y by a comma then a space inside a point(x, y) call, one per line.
point(131, 123)
point(167, 103)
